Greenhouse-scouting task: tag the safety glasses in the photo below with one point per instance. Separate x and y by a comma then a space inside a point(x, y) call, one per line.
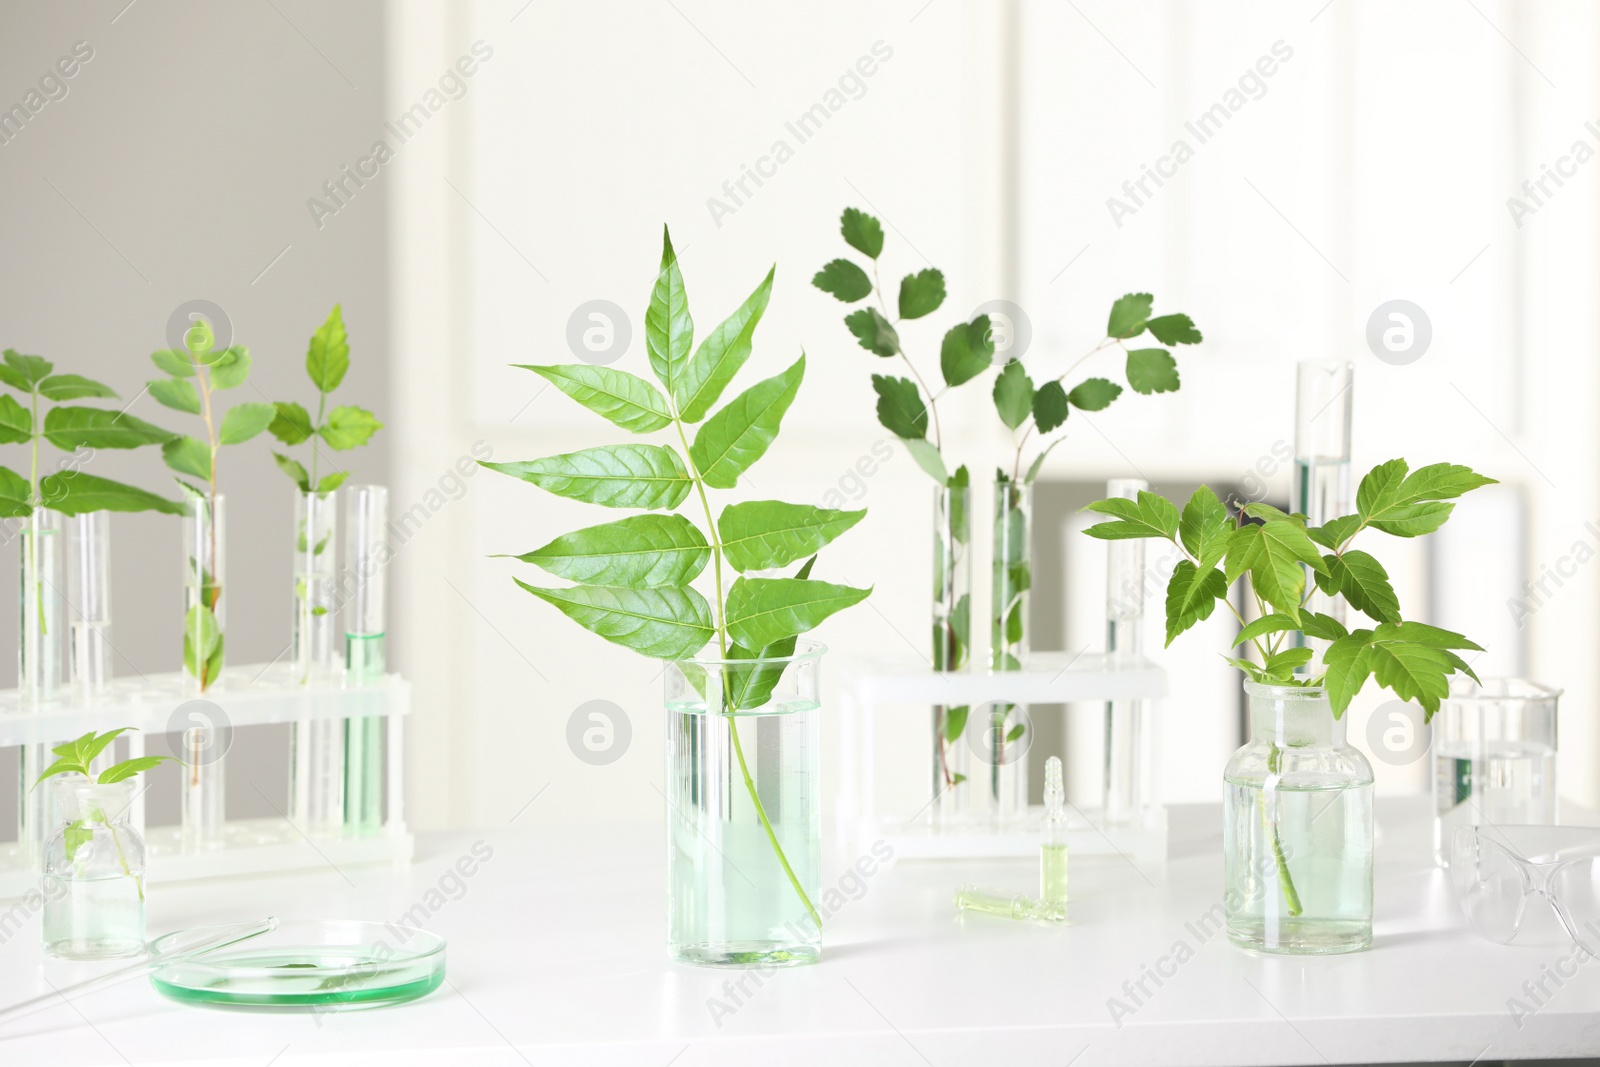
point(1498, 869)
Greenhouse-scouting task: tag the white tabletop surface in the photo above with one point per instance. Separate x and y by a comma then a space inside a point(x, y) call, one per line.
point(555, 957)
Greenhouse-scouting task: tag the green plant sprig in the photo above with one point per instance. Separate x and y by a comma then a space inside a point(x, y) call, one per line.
point(1277, 551)
point(69, 428)
point(341, 429)
point(74, 757)
point(634, 576)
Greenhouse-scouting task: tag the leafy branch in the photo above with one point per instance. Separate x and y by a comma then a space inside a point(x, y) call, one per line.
point(341, 429)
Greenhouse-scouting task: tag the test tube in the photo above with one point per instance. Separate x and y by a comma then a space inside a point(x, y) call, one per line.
point(205, 623)
point(1127, 736)
point(366, 552)
point(316, 746)
point(1322, 456)
point(89, 601)
point(204, 779)
point(39, 665)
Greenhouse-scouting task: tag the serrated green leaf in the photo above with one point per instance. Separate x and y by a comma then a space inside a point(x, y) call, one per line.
point(16, 421)
point(1412, 671)
point(615, 476)
point(967, 351)
point(1273, 553)
point(873, 331)
point(31, 370)
point(861, 232)
point(668, 327)
point(1049, 406)
point(1258, 509)
point(1176, 329)
point(297, 473)
point(762, 611)
point(347, 427)
point(229, 368)
point(1094, 394)
point(177, 394)
point(927, 457)
point(721, 354)
point(1333, 534)
point(639, 552)
point(1282, 664)
point(1322, 627)
point(292, 423)
point(625, 399)
point(900, 407)
point(1362, 581)
point(1192, 596)
point(170, 361)
point(1423, 634)
point(16, 495)
point(188, 455)
point(74, 387)
point(1204, 526)
point(921, 293)
point(68, 428)
point(739, 434)
point(1392, 500)
point(661, 623)
point(1267, 624)
point(244, 421)
point(1152, 370)
point(1129, 315)
point(328, 354)
point(751, 688)
point(76, 493)
point(1348, 664)
point(1147, 516)
point(759, 535)
point(844, 280)
point(1013, 395)
point(1414, 520)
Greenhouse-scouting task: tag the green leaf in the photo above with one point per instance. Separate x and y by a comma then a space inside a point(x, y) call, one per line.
point(1322, 627)
point(188, 455)
point(31, 370)
point(759, 535)
point(762, 611)
point(1129, 315)
point(76, 493)
point(292, 423)
point(16, 421)
point(861, 232)
point(1192, 596)
point(347, 427)
point(1038, 461)
point(1267, 624)
point(1414, 520)
point(75, 836)
point(1205, 526)
point(1423, 634)
point(626, 399)
point(928, 458)
point(199, 338)
point(721, 354)
point(1282, 664)
point(1334, 533)
point(1260, 510)
point(639, 552)
point(967, 351)
point(873, 331)
point(1174, 330)
point(96, 744)
point(1094, 394)
point(1273, 553)
point(955, 721)
point(1148, 516)
point(844, 280)
point(297, 474)
point(328, 354)
point(16, 495)
point(1412, 671)
point(921, 293)
point(1013, 395)
point(662, 623)
point(1349, 663)
point(175, 363)
point(751, 688)
point(668, 328)
point(616, 476)
point(1361, 579)
point(900, 407)
point(1016, 732)
point(229, 368)
point(202, 645)
point(244, 421)
point(68, 428)
point(738, 435)
point(330, 482)
point(1049, 407)
point(130, 767)
point(1152, 370)
point(1396, 502)
point(176, 393)
point(74, 387)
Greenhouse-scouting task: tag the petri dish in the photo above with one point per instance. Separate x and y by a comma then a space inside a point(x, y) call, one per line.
point(310, 964)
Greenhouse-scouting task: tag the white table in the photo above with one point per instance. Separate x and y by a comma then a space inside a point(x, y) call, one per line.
point(555, 957)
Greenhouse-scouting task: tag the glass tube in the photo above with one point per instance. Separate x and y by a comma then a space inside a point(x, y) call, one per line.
point(952, 632)
point(316, 747)
point(204, 779)
point(205, 621)
point(366, 552)
point(1006, 726)
point(89, 601)
point(39, 665)
point(1127, 727)
point(1322, 454)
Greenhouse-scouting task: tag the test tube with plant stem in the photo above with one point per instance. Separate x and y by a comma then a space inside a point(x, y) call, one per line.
point(39, 663)
point(366, 516)
point(316, 746)
point(205, 615)
point(204, 779)
point(89, 605)
point(1321, 488)
point(1126, 737)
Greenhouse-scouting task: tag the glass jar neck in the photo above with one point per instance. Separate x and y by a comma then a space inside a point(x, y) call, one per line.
point(1292, 717)
point(81, 799)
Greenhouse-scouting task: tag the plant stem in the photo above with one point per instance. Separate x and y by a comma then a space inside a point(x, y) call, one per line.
point(722, 647)
point(1285, 880)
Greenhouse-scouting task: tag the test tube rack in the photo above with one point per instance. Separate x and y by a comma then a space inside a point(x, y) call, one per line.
point(245, 696)
point(872, 690)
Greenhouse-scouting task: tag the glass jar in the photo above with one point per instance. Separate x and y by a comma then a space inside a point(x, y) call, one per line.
point(94, 873)
point(1297, 829)
point(744, 822)
point(1494, 757)
point(952, 644)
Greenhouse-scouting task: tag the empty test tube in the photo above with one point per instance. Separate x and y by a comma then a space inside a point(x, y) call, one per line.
point(203, 783)
point(366, 516)
point(1126, 735)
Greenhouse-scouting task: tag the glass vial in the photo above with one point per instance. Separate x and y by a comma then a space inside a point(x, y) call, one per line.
point(40, 641)
point(93, 884)
point(204, 781)
point(1321, 488)
point(1005, 731)
point(89, 602)
point(952, 633)
point(366, 553)
point(1127, 736)
point(1053, 839)
point(205, 575)
point(316, 746)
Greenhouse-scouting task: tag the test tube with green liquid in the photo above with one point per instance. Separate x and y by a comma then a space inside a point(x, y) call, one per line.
point(366, 516)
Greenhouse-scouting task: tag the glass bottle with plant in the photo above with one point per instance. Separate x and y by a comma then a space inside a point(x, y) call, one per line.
point(752, 703)
point(94, 865)
point(909, 409)
point(196, 375)
point(1297, 830)
point(341, 428)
